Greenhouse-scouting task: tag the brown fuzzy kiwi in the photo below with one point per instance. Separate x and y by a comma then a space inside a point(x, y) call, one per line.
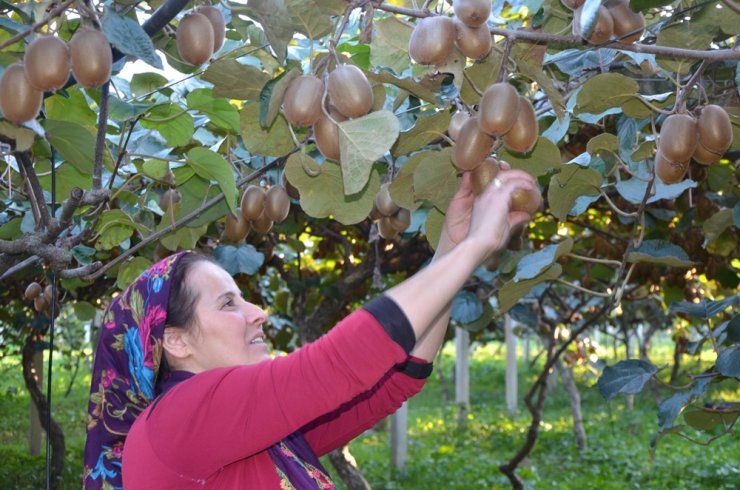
point(498, 109)
point(491, 262)
point(473, 42)
point(350, 91)
point(277, 203)
point(386, 229)
point(40, 304)
point(47, 63)
point(432, 40)
point(253, 202)
point(289, 188)
point(401, 220)
point(302, 100)
point(32, 291)
point(383, 202)
point(456, 123)
point(705, 157)
point(326, 134)
point(19, 101)
point(526, 201)
point(473, 13)
point(92, 58)
point(483, 174)
point(715, 129)
point(195, 39)
point(678, 137)
point(263, 224)
point(572, 4)
point(218, 23)
point(628, 24)
point(524, 133)
point(604, 26)
point(49, 294)
point(472, 146)
point(670, 172)
point(236, 227)
point(169, 198)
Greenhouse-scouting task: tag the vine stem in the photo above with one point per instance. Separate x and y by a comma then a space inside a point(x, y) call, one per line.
point(502, 71)
point(52, 15)
point(680, 105)
point(97, 177)
point(594, 260)
point(615, 207)
point(582, 289)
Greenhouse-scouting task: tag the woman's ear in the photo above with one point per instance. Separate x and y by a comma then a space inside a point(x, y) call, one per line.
point(175, 343)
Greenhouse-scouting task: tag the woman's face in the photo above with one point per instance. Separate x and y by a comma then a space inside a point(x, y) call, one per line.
point(229, 329)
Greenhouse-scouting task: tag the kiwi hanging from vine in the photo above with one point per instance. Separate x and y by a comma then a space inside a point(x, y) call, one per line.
point(263, 224)
point(92, 58)
point(473, 13)
point(32, 291)
point(482, 175)
point(474, 42)
point(628, 24)
point(253, 202)
point(236, 227)
point(386, 229)
point(432, 40)
point(603, 30)
point(47, 63)
point(678, 137)
point(19, 101)
point(456, 123)
point(401, 220)
point(195, 38)
point(472, 146)
point(524, 133)
point(714, 134)
point(383, 201)
point(350, 91)
point(218, 24)
point(498, 109)
point(302, 100)
point(669, 171)
point(277, 203)
point(326, 134)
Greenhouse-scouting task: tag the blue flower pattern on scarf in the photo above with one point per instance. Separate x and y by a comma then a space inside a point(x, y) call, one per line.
point(143, 376)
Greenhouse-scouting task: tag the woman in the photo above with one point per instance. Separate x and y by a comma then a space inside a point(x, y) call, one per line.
point(226, 415)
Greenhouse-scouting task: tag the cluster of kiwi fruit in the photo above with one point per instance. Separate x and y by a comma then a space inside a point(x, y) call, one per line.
point(433, 37)
point(616, 19)
point(200, 34)
point(348, 95)
point(42, 298)
point(682, 138)
point(45, 67)
point(259, 210)
point(392, 219)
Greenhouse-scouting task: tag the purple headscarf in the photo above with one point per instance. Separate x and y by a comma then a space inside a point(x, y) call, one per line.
point(127, 361)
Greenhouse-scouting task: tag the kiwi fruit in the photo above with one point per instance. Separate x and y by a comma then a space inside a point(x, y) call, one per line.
point(168, 198)
point(263, 223)
point(715, 129)
point(49, 294)
point(326, 134)
point(572, 4)
point(289, 188)
point(218, 23)
point(19, 101)
point(473, 42)
point(277, 204)
point(32, 291)
point(253, 202)
point(47, 63)
point(524, 133)
point(498, 109)
point(401, 220)
point(195, 39)
point(472, 146)
point(704, 156)
point(473, 13)
point(92, 58)
point(302, 100)
point(491, 262)
point(603, 30)
point(628, 24)
point(350, 91)
point(678, 137)
point(40, 304)
point(236, 228)
point(386, 229)
point(432, 40)
point(456, 123)
point(483, 174)
point(383, 202)
point(526, 201)
point(670, 172)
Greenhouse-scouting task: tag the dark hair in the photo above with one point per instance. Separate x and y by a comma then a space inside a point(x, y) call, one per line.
point(182, 300)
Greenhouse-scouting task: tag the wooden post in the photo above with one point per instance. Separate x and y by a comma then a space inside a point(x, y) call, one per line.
point(511, 372)
point(462, 375)
point(526, 349)
point(35, 431)
point(399, 436)
point(630, 353)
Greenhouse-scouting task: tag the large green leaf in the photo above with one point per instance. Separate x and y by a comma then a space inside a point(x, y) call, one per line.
point(23, 137)
point(234, 80)
point(427, 129)
point(129, 38)
point(520, 53)
point(466, 307)
point(67, 178)
point(605, 91)
point(75, 143)
point(130, 270)
point(544, 157)
point(706, 420)
point(705, 309)
point(635, 107)
point(309, 19)
point(570, 184)
point(402, 188)
point(687, 36)
point(195, 191)
point(73, 108)
point(425, 90)
point(627, 376)
point(716, 224)
point(113, 228)
point(361, 142)
point(275, 19)
point(603, 141)
point(512, 291)
point(670, 408)
point(390, 45)
point(273, 141)
point(146, 83)
point(219, 110)
point(728, 362)
point(243, 258)
point(532, 265)
point(185, 237)
point(213, 167)
point(322, 190)
point(660, 252)
point(435, 179)
point(633, 190)
point(481, 74)
point(433, 226)
point(175, 125)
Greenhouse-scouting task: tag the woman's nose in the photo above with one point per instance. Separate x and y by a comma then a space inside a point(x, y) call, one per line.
point(255, 314)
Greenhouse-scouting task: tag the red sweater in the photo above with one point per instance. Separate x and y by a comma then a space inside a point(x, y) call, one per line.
point(214, 429)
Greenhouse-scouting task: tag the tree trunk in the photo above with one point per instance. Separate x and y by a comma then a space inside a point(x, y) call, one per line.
point(676, 363)
point(54, 430)
point(579, 430)
point(35, 432)
point(511, 371)
point(346, 466)
point(630, 400)
point(462, 376)
point(645, 356)
point(399, 436)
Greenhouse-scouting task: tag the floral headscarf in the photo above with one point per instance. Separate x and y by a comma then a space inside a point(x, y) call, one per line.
point(127, 360)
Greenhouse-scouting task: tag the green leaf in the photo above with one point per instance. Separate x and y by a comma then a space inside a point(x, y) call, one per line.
point(234, 80)
point(243, 258)
point(185, 237)
point(275, 19)
point(716, 225)
point(530, 266)
point(126, 35)
point(669, 409)
point(636, 108)
point(645, 151)
point(146, 83)
point(130, 271)
point(482, 74)
point(733, 329)
point(512, 291)
point(113, 237)
point(75, 143)
point(402, 188)
point(570, 184)
point(361, 142)
point(425, 90)
point(83, 254)
point(11, 230)
point(684, 35)
point(322, 190)
point(213, 167)
point(195, 191)
point(644, 5)
point(175, 125)
point(605, 91)
point(309, 19)
point(701, 419)
point(74, 108)
point(704, 309)
point(84, 311)
point(604, 141)
point(520, 53)
point(435, 178)
point(466, 307)
point(634, 190)
point(433, 226)
point(219, 110)
point(23, 137)
point(67, 178)
point(427, 129)
point(544, 157)
point(156, 169)
point(627, 376)
point(721, 177)
point(660, 252)
point(728, 362)
point(273, 141)
point(390, 45)
point(271, 97)
point(120, 111)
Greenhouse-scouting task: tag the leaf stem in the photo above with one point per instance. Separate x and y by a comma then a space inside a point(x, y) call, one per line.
point(582, 289)
point(594, 260)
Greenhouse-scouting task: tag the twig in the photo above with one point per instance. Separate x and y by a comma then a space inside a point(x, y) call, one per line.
point(595, 260)
point(37, 193)
point(582, 289)
point(80, 271)
point(53, 14)
point(733, 6)
point(680, 105)
point(652, 106)
point(614, 206)
point(504, 60)
point(470, 80)
point(122, 151)
point(97, 178)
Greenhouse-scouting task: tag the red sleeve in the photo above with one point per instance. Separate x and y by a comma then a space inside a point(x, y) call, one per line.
point(223, 415)
point(337, 428)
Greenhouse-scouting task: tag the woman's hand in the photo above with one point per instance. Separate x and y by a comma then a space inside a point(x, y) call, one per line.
point(457, 217)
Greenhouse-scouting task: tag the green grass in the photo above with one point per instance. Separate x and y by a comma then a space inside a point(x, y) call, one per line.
point(440, 454)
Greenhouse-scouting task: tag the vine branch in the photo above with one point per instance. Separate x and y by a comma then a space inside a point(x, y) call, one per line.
point(56, 12)
point(97, 178)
